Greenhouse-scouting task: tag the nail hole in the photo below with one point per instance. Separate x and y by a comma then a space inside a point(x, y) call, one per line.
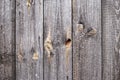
point(81, 22)
point(51, 54)
point(68, 42)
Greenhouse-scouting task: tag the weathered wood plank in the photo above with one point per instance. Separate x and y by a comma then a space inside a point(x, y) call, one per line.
point(7, 39)
point(111, 39)
point(29, 39)
point(86, 45)
point(57, 30)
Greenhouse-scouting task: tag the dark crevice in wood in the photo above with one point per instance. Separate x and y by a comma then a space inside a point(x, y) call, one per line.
point(81, 21)
point(14, 40)
point(72, 33)
point(51, 54)
point(102, 41)
point(43, 41)
point(68, 41)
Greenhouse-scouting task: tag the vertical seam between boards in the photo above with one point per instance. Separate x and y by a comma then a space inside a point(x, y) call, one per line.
point(14, 50)
point(72, 33)
point(14, 40)
point(102, 40)
point(43, 38)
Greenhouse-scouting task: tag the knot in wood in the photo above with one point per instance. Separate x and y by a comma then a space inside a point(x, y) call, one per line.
point(80, 27)
point(91, 31)
point(48, 46)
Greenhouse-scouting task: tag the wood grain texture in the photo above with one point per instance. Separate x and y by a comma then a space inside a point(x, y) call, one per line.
point(57, 29)
point(111, 39)
point(29, 39)
point(7, 38)
point(86, 49)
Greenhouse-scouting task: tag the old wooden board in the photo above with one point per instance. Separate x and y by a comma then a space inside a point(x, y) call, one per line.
point(86, 41)
point(29, 39)
point(111, 39)
point(7, 39)
point(57, 40)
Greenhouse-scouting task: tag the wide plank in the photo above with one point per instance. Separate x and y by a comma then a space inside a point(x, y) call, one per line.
point(87, 40)
point(29, 39)
point(57, 40)
point(111, 39)
point(7, 39)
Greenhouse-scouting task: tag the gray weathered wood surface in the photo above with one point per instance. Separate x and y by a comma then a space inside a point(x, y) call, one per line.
point(29, 40)
point(57, 30)
point(111, 39)
point(86, 49)
point(7, 39)
point(45, 40)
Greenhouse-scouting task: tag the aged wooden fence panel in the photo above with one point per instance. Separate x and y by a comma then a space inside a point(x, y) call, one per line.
point(59, 39)
point(7, 39)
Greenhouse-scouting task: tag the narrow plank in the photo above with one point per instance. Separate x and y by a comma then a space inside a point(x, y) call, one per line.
point(111, 39)
point(86, 41)
point(7, 47)
point(57, 40)
point(29, 39)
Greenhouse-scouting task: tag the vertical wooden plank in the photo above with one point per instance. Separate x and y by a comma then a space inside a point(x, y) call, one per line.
point(7, 38)
point(57, 40)
point(86, 41)
point(29, 39)
point(111, 39)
